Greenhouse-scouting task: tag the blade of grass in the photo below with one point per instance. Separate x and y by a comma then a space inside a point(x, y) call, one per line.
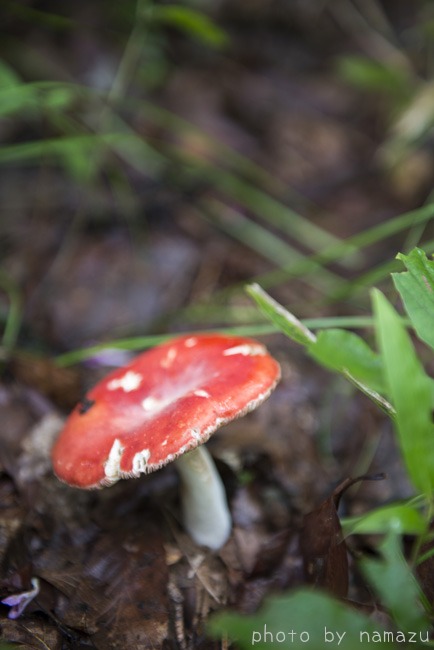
point(369, 279)
point(393, 226)
point(359, 241)
point(248, 232)
point(267, 244)
point(133, 343)
point(143, 342)
point(266, 207)
point(192, 22)
point(128, 146)
point(240, 314)
point(374, 276)
point(281, 317)
point(261, 204)
point(257, 329)
point(40, 17)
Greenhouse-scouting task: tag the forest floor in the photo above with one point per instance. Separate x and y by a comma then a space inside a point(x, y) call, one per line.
point(162, 254)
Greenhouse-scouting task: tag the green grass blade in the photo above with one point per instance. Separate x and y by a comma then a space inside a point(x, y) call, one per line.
point(133, 343)
point(261, 204)
point(62, 145)
point(192, 22)
point(250, 233)
point(274, 212)
point(281, 317)
point(269, 245)
point(393, 226)
point(142, 342)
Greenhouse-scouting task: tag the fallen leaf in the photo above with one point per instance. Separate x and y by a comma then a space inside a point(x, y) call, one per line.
point(322, 545)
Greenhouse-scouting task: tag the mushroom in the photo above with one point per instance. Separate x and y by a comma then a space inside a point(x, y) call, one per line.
point(162, 407)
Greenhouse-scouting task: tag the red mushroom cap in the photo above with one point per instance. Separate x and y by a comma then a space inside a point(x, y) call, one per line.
point(167, 401)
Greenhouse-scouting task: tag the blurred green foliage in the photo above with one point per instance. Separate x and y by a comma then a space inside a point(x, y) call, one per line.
point(317, 619)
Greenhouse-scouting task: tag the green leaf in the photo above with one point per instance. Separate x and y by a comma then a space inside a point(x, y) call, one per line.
point(193, 23)
point(57, 98)
point(300, 620)
point(410, 390)
point(400, 518)
point(416, 287)
point(396, 586)
point(372, 75)
point(295, 330)
point(17, 98)
point(345, 351)
point(281, 317)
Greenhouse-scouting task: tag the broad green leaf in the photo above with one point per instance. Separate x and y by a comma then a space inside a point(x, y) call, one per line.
point(401, 518)
point(410, 390)
point(396, 586)
point(416, 287)
point(345, 351)
point(281, 317)
point(300, 620)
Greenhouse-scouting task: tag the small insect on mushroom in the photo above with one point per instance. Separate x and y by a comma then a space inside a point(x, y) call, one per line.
point(162, 407)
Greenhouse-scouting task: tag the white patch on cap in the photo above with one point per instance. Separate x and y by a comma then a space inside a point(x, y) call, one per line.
point(130, 381)
point(201, 393)
point(169, 358)
point(112, 466)
point(151, 403)
point(140, 461)
point(191, 342)
point(247, 350)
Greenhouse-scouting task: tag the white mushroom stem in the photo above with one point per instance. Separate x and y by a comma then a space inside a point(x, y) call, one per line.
point(205, 509)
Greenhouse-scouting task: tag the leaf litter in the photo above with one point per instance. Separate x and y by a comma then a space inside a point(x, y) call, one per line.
point(115, 569)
